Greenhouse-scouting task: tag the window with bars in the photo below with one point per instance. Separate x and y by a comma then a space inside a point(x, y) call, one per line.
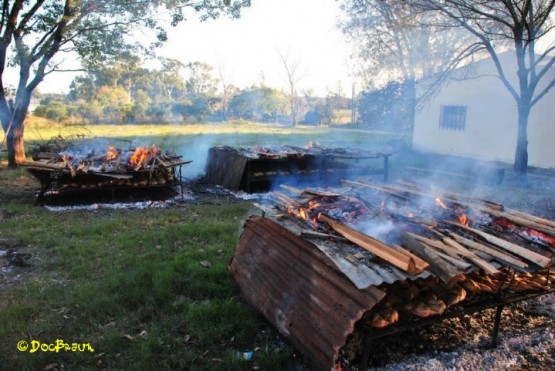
point(452, 117)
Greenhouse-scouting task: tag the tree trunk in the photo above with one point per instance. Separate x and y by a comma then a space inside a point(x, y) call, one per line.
point(16, 149)
point(15, 130)
point(521, 154)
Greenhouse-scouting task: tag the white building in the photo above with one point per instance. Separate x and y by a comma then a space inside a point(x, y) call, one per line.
point(476, 116)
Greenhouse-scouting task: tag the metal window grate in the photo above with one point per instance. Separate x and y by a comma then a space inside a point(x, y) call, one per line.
point(452, 117)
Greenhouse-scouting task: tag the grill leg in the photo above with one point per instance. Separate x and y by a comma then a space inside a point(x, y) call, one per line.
point(495, 333)
point(386, 169)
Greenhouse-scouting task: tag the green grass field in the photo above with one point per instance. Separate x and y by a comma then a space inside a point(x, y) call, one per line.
point(131, 282)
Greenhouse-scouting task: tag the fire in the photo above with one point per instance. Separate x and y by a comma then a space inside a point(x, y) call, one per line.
point(141, 155)
point(440, 203)
point(112, 153)
point(464, 219)
point(411, 215)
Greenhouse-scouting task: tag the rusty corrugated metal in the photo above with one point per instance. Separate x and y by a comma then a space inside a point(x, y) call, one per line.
point(299, 289)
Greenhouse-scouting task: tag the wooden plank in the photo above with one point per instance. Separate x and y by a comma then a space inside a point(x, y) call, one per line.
point(529, 255)
point(293, 190)
point(451, 251)
point(376, 247)
point(486, 266)
point(446, 272)
point(488, 250)
point(456, 262)
point(42, 165)
point(226, 168)
point(521, 214)
point(287, 200)
point(371, 186)
point(421, 264)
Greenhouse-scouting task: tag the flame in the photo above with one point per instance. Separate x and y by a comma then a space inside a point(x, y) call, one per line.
point(112, 153)
point(141, 155)
point(464, 219)
point(411, 215)
point(440, 203)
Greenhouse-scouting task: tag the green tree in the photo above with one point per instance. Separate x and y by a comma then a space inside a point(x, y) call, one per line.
point(171, 79)
point(259, 103)
point(200, 82)
point(113, 101)
point(52, 110)
point(35, 32)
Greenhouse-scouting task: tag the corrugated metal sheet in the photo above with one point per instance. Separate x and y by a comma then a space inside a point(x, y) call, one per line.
point(299, 289)
point(365, 273)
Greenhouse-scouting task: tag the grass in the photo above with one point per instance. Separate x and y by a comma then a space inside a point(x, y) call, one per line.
point(176, 136)
point(130, 283)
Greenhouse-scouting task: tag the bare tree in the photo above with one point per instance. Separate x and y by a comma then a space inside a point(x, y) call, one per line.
point(291, 66)
point(514, 25)
point(399, 43)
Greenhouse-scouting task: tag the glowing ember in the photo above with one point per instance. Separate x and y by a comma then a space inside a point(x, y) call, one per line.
point(464, 219)
point(112, 153)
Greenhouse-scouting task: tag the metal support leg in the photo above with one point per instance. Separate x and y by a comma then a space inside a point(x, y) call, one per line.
point(385, 169)
point(495, 333)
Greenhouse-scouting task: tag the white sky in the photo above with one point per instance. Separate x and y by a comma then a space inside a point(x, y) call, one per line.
point(247, 48)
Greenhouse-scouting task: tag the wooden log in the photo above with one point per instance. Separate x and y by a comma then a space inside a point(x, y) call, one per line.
point(490, 251)
point(376, 247)
point(529, 255)
point(446, 272)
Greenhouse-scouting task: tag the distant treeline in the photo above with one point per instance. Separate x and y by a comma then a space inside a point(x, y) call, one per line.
point(127, 92)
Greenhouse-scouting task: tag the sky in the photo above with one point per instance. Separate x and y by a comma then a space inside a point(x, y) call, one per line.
point(247, 49)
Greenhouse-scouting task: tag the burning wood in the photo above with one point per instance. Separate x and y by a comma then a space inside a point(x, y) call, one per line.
point(470, 246)
point(140, 167)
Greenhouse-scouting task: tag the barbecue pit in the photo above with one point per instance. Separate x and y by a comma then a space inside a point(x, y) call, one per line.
point(255, 169)
point(116, 169)
point(384, 259)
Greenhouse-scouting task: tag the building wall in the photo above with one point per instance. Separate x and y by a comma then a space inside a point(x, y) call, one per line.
point(491, 121)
